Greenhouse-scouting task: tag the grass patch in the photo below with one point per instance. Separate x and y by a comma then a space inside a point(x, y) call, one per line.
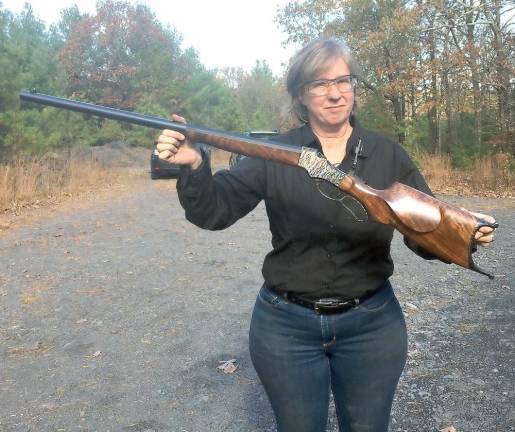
point(35, 181)
point(492, 176)
point(219, 157)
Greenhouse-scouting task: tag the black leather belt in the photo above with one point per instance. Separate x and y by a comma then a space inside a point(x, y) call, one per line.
point(326, 306)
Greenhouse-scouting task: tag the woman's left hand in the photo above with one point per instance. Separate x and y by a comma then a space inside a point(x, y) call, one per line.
point(485, 235)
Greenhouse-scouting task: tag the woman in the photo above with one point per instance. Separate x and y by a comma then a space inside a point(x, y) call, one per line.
point(326, 317)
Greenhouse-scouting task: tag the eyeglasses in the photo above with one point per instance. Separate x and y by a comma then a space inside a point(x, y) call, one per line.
point(344, 84)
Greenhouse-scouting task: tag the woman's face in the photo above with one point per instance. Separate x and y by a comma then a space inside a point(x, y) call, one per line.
point(331, 111)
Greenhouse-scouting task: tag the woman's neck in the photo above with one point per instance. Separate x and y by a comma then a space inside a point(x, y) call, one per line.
point(334, 142)
point(336, 132)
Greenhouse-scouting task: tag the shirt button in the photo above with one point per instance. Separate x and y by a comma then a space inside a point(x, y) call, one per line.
point(329, 255)
point(331, 226)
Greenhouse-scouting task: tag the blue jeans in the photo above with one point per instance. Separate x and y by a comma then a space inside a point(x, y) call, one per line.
point(300, 356)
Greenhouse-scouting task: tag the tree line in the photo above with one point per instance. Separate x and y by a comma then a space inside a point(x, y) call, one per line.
point(120, 56)
point(443, 70)
point(439, 75)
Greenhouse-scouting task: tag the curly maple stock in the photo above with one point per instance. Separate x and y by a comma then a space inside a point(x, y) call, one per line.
point(440, 228)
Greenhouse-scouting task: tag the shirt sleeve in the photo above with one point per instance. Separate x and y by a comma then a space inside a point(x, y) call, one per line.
point(215, 202)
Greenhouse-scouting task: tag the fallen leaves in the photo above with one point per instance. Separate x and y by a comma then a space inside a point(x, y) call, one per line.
point(90, 292)
point(448, 429)
point(34, 294)
point(411, 306)
point(227, 366)
point(246, 381)
point(23, 351)
point(95, 355)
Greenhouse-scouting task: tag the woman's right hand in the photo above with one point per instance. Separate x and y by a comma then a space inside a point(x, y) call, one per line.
point(173, 147)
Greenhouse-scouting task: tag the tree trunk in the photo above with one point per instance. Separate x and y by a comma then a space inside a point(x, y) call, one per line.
point(398, 112)
point(502, 84)
point(433, 110)
point(395, 98)
point(473, 63)
point(446, 95)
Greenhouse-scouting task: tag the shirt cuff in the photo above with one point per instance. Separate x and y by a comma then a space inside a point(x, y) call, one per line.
point(195, 176)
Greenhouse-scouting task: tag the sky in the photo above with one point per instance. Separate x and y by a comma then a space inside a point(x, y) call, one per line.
point(224, 32)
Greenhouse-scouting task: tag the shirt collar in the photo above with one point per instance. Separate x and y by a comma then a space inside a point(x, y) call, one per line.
point(309, 139)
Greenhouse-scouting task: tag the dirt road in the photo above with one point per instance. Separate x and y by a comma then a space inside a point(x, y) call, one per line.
point(115, 316)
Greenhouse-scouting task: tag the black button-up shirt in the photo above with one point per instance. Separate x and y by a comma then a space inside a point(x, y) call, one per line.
point(319, 249)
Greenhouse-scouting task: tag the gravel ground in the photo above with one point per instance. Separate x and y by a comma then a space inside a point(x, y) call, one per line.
point(115, 316)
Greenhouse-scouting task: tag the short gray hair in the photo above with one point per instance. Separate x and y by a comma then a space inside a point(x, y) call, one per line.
point(309, 62)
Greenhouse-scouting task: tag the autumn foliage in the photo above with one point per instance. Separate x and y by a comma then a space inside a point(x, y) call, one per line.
point(107, 57)
point(438, 76)
point(444, 69)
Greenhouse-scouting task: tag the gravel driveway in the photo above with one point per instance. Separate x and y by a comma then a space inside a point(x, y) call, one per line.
point(115, 316)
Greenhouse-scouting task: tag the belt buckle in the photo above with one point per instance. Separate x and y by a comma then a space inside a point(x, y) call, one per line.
point(329, 305)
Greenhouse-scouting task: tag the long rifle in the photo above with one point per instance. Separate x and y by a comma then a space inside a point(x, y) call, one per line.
point(440, 228)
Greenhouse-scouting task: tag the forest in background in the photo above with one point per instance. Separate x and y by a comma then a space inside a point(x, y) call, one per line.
point(438, 75)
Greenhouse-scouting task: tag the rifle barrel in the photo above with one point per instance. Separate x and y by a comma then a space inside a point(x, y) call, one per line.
point(238, 143)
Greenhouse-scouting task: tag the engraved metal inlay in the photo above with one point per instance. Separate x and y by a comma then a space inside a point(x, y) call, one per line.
point(319, 168)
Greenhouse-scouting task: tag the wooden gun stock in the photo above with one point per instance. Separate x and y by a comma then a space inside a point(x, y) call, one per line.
point(445, 230)
point(440, 228)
